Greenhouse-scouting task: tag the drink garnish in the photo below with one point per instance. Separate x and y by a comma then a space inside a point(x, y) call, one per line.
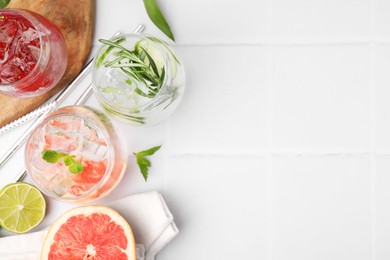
point(52, 156)
point(143, 162)
point(138, 64)
point(22, 207)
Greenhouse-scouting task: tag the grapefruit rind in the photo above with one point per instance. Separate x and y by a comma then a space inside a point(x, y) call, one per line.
point(89, 210)
point(21, 210)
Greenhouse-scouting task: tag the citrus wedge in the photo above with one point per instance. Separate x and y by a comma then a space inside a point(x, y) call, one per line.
point(22, 207)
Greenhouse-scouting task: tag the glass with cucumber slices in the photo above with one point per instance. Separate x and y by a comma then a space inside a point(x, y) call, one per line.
point(138, 78)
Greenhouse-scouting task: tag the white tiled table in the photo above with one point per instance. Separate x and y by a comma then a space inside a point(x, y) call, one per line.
point(280, 149)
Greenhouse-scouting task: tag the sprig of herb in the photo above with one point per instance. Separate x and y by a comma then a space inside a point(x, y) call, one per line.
point(52, 156)
point(137, 64)
point(143, 162)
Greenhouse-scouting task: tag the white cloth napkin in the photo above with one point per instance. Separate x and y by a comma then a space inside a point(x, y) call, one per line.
point(148, 215)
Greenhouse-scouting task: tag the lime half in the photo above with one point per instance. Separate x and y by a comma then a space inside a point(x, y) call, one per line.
point(22, 207)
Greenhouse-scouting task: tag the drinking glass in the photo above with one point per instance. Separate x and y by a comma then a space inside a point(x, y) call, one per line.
point(33, 53)
point(138, 78)
point(74, 136)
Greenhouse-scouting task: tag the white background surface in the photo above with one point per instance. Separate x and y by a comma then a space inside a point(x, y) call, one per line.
point(280, 149)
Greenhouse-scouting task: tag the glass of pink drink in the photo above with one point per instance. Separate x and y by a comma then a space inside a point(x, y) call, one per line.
point(86, 135)
point(33, 53)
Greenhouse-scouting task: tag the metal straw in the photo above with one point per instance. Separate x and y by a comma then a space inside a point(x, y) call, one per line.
point(84, 96)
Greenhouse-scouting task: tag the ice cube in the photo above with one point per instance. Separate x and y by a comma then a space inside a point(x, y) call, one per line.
point(65, 124)
point(5, 29)
point(8, 73)
point(61, 183)
point(89, 133)
point(93, 151)
point(62, 134)
point(62, 143)
point(41, 165)
point(34, 50)
point(30, 35)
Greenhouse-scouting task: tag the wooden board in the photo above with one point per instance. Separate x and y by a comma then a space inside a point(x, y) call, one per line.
point(76, 20)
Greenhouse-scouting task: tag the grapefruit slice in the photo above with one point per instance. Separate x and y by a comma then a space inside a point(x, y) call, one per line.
point(89, 232)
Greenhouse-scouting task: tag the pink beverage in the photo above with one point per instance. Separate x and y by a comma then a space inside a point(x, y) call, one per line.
point(78, 135)
point(33, 53)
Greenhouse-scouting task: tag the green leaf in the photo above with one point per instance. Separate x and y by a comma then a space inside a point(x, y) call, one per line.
point(162, 77)
point(68, 161)
point(76, 168)
point(140, 92)
point(143, 166)
point(143, 71)
point(143, 163)
point(114, 44)
point(51, 156)
point(151, 62)
point(125, 65)
point(150, 151)
point(103, 57)
point(157, 18)
point(4, 3)
point(117, 60)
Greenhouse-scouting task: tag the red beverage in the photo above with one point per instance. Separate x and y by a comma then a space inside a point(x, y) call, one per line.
point(33, 54)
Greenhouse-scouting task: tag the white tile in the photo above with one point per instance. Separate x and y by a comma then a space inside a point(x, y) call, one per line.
point(191, 21)
point(139, 138)
point(382, 209)
point(321, 208)
point(218, 21)
point(382, 97)
point(223, 109)
point(382, 19)
point(321, 98)
point(219, 205)
point(320, 19)
point(133, 181)
point(124, 16)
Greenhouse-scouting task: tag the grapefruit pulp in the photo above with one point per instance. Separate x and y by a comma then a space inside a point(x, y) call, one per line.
point(89, 232)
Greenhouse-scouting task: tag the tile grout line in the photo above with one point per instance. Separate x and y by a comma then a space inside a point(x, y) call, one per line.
point(373, 206)
point(372, 128)
point(289, 42)
point(270, 139)
point(284, 43)
point(278, 154)
point(269, 212)
point(167, 155)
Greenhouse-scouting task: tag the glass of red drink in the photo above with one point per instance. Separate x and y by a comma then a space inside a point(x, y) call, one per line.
point(33, 53)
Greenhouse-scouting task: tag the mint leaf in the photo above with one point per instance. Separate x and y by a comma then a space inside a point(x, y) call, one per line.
point(143, 163)
point(157, 18)
point(76, 168)
point(51, 156)
point(68, 161)
point(150, 151)
point(4, 3)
